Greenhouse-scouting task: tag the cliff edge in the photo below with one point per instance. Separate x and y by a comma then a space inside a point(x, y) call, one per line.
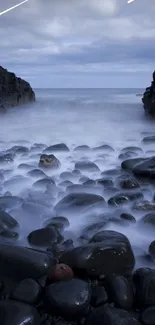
point(148, 98)
point(14, 91)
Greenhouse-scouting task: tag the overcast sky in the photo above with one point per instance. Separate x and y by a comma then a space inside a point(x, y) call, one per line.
point(79, 43)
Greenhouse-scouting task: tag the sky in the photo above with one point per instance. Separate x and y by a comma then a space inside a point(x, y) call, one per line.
point(79, 43)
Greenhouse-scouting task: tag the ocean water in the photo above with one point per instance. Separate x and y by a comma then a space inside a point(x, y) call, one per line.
point(79, 117)
point(75, 116)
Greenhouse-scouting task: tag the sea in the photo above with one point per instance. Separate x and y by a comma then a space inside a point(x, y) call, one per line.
point(80, 117)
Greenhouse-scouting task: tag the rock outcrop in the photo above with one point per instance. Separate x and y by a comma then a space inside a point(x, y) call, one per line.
point(148, 98)
point(14, 91)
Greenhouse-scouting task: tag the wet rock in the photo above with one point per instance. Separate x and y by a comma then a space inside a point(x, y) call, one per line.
point(43, 183)
point(129, 164)
point(112, 172)
point(144, 205)
point(109, 315)
point(36, 173)
point(149, 139)
point(145, 168)
point(44, 237)
point(2, 178)
point(18, 313)
point(2, 289)
point(129, 183)
point(76, 172)
point(127, 155)
point(148, 316)
point(139, 274)
point(59, 222)
point(9, 234)
point(68, 244)
point(133, 149)
point(15, 181)
point(120, 291)
point(38, 147)
point(82, 148)
point(89, 231)
point(108, 252)
point(78, 188)
point(56, 250)
point(34, 210)
point(104, 182)
point(60, 147)
point(79, 201)
point(83, 179)
point(65, 184)
point(60, 272)
point(128, 217)
point(123, 198)
point(152, 249)
point(6, 159)
point(18, 263)
point(25, 167)
point(149, 219)
point(21, 150)
point(145, 288)
point(87, 166)
point(7, 221)
point(99, 296)
point(27, 291)
point(72, 305)
point(8, 202)
point(68, 176)
point(104, 147)
point(49, 161)
point(89, 182)
point(14, 91)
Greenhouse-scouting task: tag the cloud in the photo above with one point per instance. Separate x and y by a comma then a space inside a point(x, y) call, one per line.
point(87, 38)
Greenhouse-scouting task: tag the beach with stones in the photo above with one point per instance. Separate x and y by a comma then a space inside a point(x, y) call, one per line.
point(77, 244)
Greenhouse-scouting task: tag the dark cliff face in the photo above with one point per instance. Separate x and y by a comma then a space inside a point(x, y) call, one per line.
point(14, 91)
point(148, 98)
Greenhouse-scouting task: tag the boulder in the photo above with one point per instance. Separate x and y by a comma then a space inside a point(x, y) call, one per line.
point(18, 263)
point(27, 291)
point(14, 91)
point(120, 291)
point(69, 298)
point(109, 315)
point(17, 313)
point(129, 164)
point(79, 202)
point(99, 295)
point(145, 287)
point(123, 198)
point(44, 237)
point(148, 316)
point(148, 99)
point(108, 252)
point(60, 147)
point(49, 161)
point(145, 168)
point(87, 166)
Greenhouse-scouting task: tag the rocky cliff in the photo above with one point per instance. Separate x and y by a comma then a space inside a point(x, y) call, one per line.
point(14, 91)
point(148, 98)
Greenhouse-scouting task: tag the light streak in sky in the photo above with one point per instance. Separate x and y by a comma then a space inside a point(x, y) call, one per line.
point(9, 9)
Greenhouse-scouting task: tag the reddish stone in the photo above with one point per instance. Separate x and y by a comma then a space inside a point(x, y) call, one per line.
point(61, 272)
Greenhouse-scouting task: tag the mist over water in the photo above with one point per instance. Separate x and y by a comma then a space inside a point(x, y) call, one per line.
point(77, 117)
